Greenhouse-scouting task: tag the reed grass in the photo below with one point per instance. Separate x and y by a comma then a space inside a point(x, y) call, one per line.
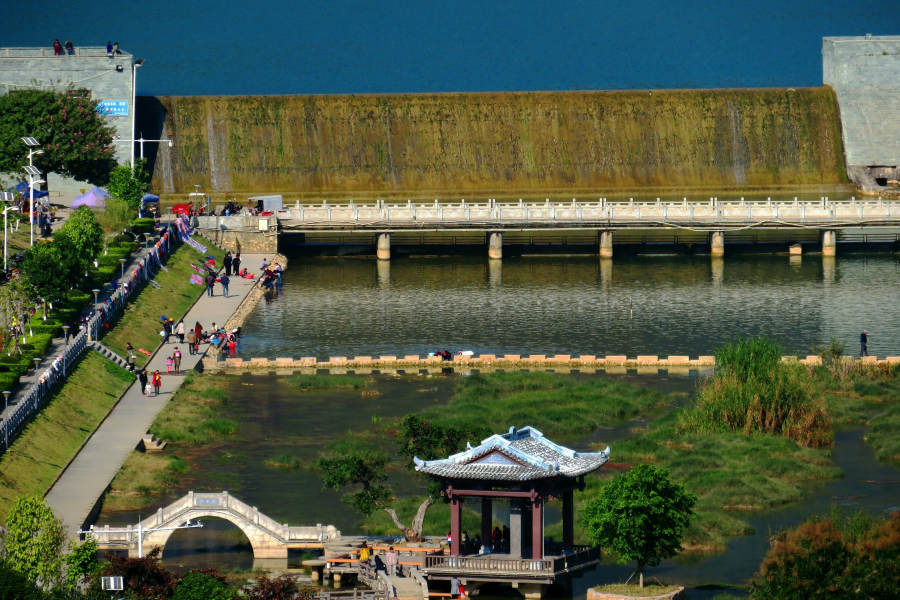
point(553, 403)
point(192, 417)
point(753, 391)
point(327, 382)
point(884, 434)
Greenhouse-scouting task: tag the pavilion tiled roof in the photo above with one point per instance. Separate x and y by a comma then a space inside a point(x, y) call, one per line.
point(520, 455)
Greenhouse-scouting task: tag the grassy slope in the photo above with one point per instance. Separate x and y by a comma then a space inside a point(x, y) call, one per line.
point(140, 324)
point(190, 419)
point(553, 403)
point(47, 444)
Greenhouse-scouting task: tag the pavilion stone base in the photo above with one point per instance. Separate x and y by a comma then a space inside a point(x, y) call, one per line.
point(532, 591)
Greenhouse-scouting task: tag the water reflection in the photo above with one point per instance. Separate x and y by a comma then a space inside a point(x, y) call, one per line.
point(546, 305)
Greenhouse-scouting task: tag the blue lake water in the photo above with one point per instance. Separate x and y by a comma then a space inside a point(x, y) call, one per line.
point(340, 46)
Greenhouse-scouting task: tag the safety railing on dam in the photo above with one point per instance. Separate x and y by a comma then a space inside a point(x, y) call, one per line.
point(712, 215)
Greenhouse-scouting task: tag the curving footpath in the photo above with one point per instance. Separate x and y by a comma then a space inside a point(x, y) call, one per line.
point(76, 495)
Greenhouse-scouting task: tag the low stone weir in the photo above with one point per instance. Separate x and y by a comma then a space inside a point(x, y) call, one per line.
point(390, 364)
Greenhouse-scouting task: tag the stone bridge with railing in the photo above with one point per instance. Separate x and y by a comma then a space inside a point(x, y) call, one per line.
point(714, 218)
point(269, 539)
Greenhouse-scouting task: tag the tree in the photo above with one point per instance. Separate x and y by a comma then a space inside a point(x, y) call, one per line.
point(145, 578)
point(202, 585)
point(416, 437)
point(84, 235)
point(14, 584)
point(283, 587)
point(77, 141)
point(833, 558)
point(81, 562)
point(129, 183)
point(115, 217)
point(35, 541)
point(50, 269)
point(640, 516)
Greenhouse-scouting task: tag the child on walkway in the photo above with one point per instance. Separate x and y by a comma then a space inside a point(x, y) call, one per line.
point(157, 382)
point(169, 362)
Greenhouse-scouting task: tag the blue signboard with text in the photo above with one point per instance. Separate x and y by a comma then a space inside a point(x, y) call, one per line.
point(113, 108)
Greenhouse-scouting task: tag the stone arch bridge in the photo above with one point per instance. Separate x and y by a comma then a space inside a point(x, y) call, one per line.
point(269, 539)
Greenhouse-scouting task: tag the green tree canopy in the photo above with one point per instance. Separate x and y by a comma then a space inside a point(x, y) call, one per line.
point(50, 269)
point(35, 541)
point(640, 516)
point(14, 584)
point(416, 437)
point(77, 141)
point(202, 585)
point(83, 235)
point(115, 217)
point(129, 184)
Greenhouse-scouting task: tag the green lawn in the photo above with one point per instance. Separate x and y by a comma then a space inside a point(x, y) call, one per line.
point(51, 440)
point(140, 323)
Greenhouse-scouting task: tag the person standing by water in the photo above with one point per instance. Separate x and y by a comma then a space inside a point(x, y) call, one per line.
point(70, 48)
point(263, 265)
point(227, 263)
point(109, 49)
point(224, 280)
point(57, 48)
point(390, 561)
point(863, 344)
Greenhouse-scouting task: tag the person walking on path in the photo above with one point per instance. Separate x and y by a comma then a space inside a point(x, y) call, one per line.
point(210, 282)
point(227, 263)
point(169, 363)
point(57, 48)
point(157, 382)
point(863, 344)
point(224, 280)
point(142, 378)
point(191, 340)
point(390, 561)
point(179, 332)
point(177, 358)
point(236, 264)
point(198, 335)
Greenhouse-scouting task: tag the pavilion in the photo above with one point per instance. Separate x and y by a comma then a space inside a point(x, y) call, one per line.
point(528, 470)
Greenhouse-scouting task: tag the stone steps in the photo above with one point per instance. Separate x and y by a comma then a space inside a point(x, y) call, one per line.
point(108, 353)
point(150, 443)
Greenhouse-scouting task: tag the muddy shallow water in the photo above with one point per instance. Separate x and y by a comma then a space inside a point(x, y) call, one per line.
point(277, 420)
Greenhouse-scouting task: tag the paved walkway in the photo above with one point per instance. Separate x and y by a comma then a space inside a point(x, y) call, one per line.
point(77, 492)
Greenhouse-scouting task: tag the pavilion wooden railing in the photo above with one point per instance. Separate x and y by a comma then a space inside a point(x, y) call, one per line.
point(549, 565)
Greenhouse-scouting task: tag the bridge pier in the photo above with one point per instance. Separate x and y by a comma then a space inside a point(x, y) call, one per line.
point(717, 243)
point(495, 245)
point(796, 249)
point(606, 244)
point(383, 246)
point(829, 242)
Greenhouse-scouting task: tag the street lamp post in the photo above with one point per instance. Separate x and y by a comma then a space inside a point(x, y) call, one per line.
point(65, 347)
point(5, 229)
point(142, 140)
point(32, 171)
point(97, 310)
point(137, 63)
point(122, 280)
point(6, 421)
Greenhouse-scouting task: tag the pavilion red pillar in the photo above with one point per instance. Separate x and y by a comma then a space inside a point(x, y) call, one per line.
point(455, 533)
point(487, 519)
point(568, 520)
point(537, 528)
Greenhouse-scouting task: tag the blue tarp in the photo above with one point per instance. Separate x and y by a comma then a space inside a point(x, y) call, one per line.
point(149, 198)
point(37, 194)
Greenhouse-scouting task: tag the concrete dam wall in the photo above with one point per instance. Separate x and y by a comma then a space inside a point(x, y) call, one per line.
point(495, 141)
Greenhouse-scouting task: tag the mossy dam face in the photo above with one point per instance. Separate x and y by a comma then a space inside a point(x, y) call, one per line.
point(440, 144)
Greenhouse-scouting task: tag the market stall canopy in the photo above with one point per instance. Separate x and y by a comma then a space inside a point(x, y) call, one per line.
point(96, 198)
point(150, 198)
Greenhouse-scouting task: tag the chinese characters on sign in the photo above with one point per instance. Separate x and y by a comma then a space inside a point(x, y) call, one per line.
point(113, 108)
